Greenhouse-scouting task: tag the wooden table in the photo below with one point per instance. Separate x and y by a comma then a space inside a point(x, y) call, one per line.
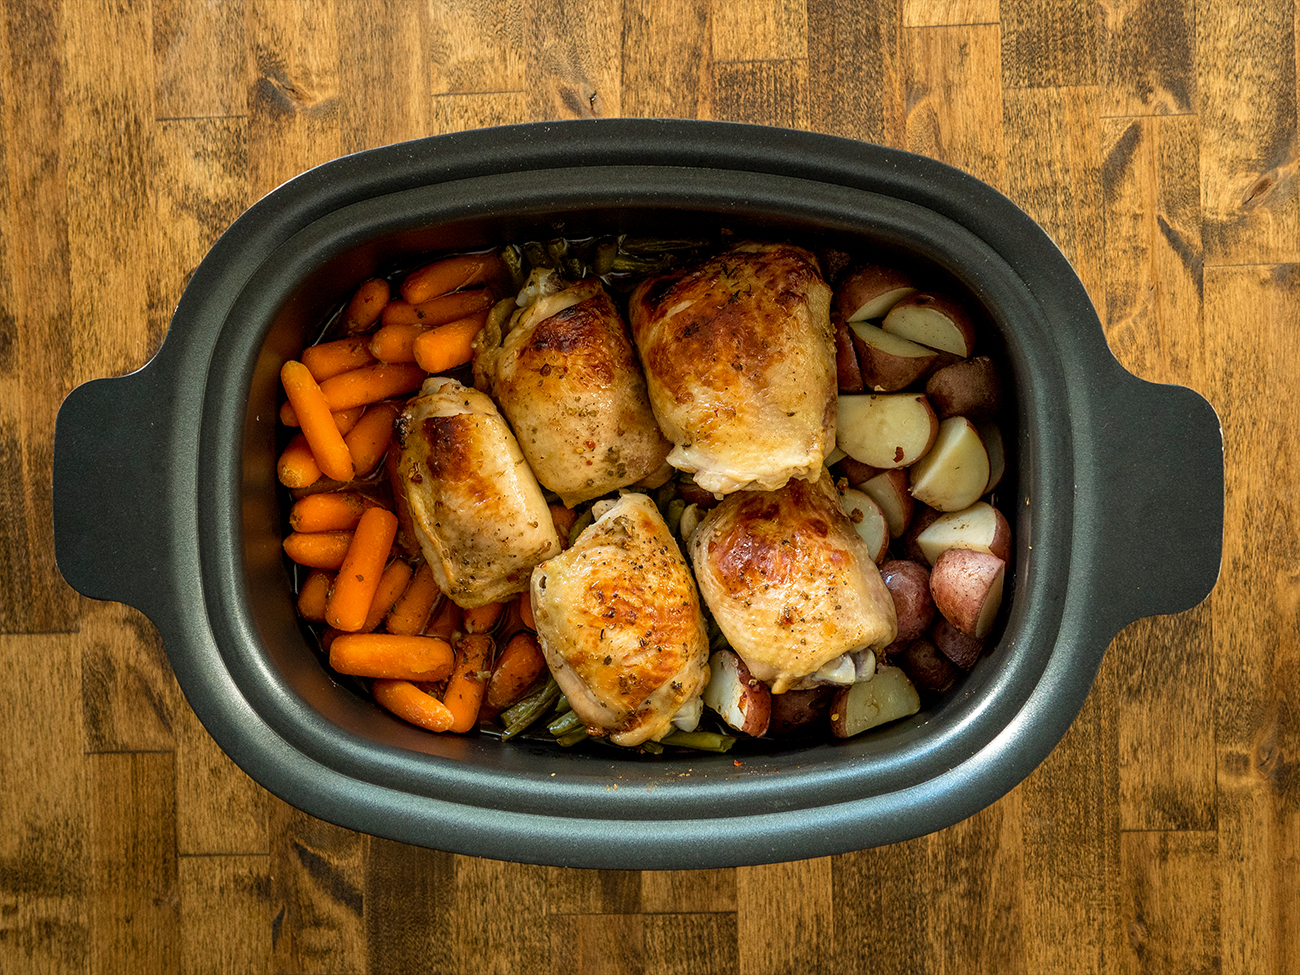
point(1156, 142)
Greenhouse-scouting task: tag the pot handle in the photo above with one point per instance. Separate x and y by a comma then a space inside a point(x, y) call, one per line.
point(1158, 506)
point(112, 528)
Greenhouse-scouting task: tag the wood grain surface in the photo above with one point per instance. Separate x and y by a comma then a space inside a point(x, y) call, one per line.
point(1155, 140)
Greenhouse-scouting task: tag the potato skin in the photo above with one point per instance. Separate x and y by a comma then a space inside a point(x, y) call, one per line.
point(909, 583)
point(961, 649)
point(963, 582)
point(928, 668)
point(800, 712)
point(969, 388)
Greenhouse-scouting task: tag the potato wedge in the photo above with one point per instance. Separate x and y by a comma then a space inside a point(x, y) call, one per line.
point(888, 696)
point(967, 589)
point(742, 701)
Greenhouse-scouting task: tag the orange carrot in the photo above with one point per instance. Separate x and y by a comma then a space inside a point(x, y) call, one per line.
point(312, 595)
point(345, 420)
point(368, 441)
point(331, 358)
point(411, 704)
point(359, 575)
point(370, 384)
point(481, 619)
point(318, 425)
point(411, 611)
point(297, 467)
point(319, 550)
point(448, 346)
point(394, 657)
point(366, 306)
point(565, 519)
point(336, 511)
point(526, 610)
point(447, 621)
point(469, 676)
point(516, 670)
point(327, 638)
point(391, 586)
point(396, 342)
point(452, 274)
point(438, 311)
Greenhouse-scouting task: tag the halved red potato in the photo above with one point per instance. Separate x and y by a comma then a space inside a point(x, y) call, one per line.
point(954, 473)
point(909, 583)
point(927, 668)
point(888, 362)
point(969, 388)
point(923, 517)
point(742, 701)
point(889, 489)
point(888, 696)
point(967, 589)
point(871, 291)
point(848, 372)
point(868, 520)
point(934, 320)
point(797, 712)
point(981, 527)
point(963, 650)
point(886, 430)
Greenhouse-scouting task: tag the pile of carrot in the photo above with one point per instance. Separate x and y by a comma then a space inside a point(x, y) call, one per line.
point(381, 613)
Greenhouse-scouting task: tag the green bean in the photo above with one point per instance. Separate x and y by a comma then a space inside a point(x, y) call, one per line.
point(584, 522)
point(529, 708)
point(654, 245)
point(602, 259)
point(562, 706)
point(537, 255)
point(652, 747)
point(565, 723)
point(705, 741)
point(573, 737)
point(513, 258)
point(673, 517)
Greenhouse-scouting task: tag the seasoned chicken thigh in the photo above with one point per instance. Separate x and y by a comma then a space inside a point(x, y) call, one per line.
point(565, 374)
point(739, 356)
point(619, 620)
point(789, 581)
point(476, 509)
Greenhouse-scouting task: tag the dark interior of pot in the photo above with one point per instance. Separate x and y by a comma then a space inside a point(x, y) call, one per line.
point(285, 307)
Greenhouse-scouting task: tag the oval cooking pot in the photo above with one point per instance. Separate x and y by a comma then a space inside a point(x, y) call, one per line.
point(1115, 496)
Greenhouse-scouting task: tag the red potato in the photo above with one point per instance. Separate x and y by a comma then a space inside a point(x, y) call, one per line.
point(961, 649)
point(890, 490)
point(868, 520)
point(886, 430)
point(887, 362)
point(742, 701)
point(854, 471)
point(888, 696)
point(954, 473)
point(991, 434)
point(799, 712)
point(847, 370)
point(981, 527)
point(871, 291)
point(927, 668)
point(933, 320)
point(969, 388)
point(909, 583)
point(967, 589)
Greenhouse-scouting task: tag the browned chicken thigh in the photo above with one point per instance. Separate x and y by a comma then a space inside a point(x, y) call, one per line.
point(789, 581)
point(476, 509)
point(739, 356)
point(565, 374)
point(618, 617)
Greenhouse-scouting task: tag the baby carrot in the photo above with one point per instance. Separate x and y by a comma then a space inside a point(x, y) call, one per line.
point(345, 420)
point(297, 467)
point(411, 611)
point(393, 657)
point(396, 342)
point(366, 306)
point(318, 425)
point(368, 441)
point(370, 384)
point(448, 346)
point(481, 619)
point(391, 586)
point(516, 670)
point(409, 703)
point(526, 610)
point(331, 358)
point(438, 311)
point(337, 511)
point(312, 595)
point(447, 622)
point(319, 550)
point(564, 519)
point(469, 676)
point(451, 274)
point(358, 578)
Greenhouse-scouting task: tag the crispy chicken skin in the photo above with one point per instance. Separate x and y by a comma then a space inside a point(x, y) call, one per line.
point(476, 509)
point(618, 618)
point(789, 582)
point(566, 376)
point(739, 356)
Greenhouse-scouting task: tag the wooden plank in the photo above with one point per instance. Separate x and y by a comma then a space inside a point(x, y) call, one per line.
point(595, 944)
point(686, 891)
point(198, 59)
point(571, 891)
point(574, 57)
point(225, 909)
point(45, 876)
point(384, 96)
point(1251, 352)
point(759, 30)
point(135, 915)
point(1170, 906)
point(945, 13)
point(880, 914)
point(409, 897)
point(1250, 197)
point(219, 809)
point(318, 919)
point(129, 696)
point(1146, 62)
point(35, 307)
point(456, 113)
point(1049, 43)
point(667, 62)
point(954, 98)
point(480, 46)
point(762, 92)
point(777, 932)
point(499, 924)
point(685, 944)
point(855, 70)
